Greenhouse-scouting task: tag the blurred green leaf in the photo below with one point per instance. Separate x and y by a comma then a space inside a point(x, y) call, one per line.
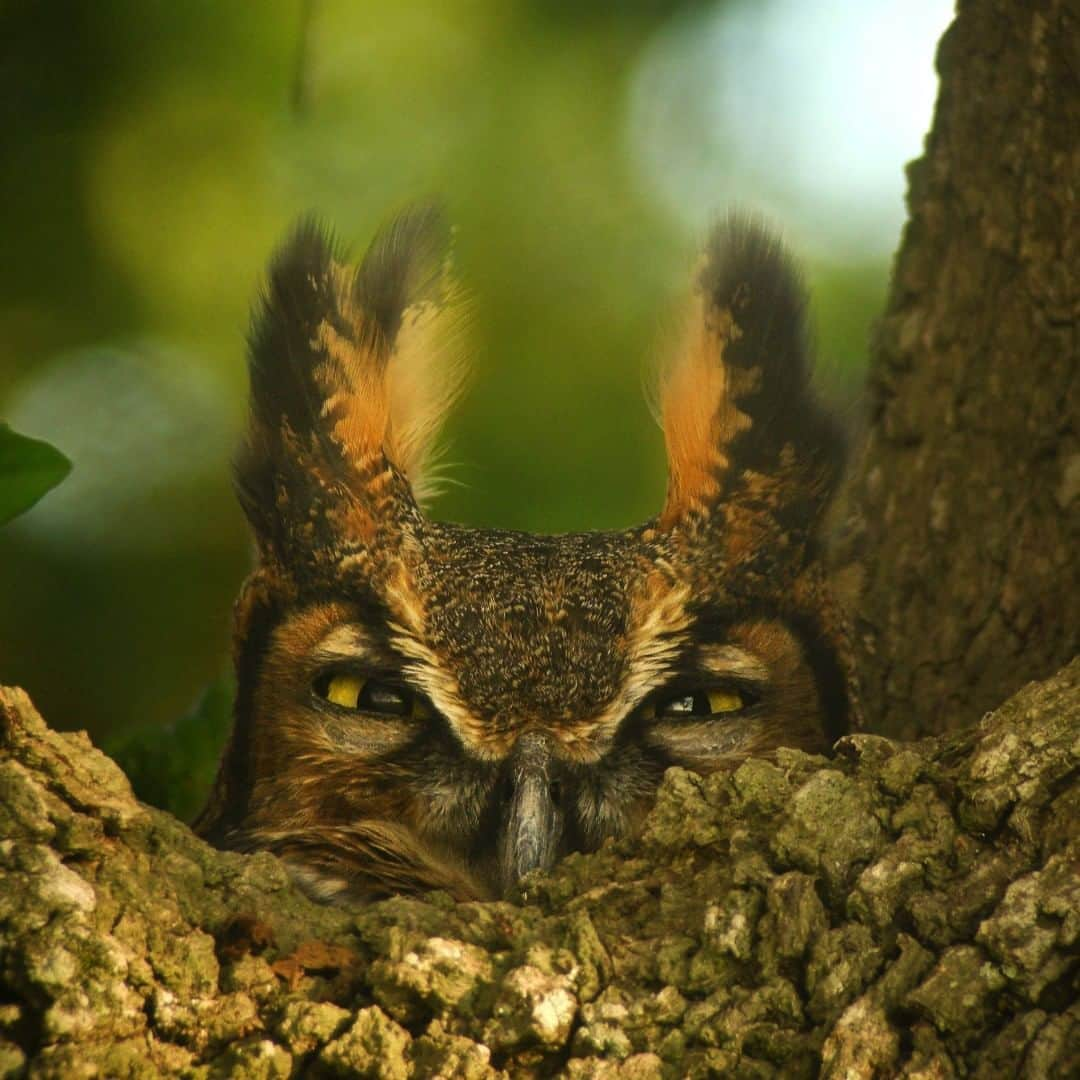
point(28, 469)
point(173, 767)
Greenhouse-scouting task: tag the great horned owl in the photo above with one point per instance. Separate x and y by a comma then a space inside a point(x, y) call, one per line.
point(423, 705)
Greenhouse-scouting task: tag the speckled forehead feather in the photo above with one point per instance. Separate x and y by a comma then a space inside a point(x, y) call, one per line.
point(533, 626)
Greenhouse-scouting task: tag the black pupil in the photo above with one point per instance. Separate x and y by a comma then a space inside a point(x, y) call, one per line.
point(382, 698)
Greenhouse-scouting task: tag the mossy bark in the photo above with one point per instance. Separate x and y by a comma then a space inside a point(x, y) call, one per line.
point(970, 488)
point(901, 909)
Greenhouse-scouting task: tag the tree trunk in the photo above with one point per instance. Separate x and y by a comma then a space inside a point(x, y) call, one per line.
point(970, 488)
point(907, 909)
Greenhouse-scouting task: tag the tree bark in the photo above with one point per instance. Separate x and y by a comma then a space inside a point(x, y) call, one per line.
point(904, 909)
point(970, 489)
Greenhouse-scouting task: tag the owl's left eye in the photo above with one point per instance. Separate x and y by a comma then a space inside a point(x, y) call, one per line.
point(361, 694)
point(698, 704)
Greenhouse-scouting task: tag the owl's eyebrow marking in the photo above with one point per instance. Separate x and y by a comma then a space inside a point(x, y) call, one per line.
point(732, 661)
point(348, 642)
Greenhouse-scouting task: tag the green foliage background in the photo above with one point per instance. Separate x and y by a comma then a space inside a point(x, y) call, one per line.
point(154, 153)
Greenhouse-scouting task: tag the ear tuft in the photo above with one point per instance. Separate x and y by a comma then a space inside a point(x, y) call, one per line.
point(402, 267)
point(352, 369)
point(741, 419)
point(405, 281)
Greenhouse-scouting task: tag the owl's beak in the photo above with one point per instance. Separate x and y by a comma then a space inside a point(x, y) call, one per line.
point(534, 822)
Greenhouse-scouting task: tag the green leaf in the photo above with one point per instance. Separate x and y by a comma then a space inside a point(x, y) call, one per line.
point(28, 469)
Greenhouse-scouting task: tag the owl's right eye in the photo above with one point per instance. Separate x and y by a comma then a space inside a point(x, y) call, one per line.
point(699, 704)
point(351, 691)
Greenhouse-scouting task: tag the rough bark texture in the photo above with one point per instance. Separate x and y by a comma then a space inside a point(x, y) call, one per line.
point(904, 909)
point(971, 486)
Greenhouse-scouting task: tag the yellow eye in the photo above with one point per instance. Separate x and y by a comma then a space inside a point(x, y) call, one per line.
point(344, 690)
point(722, 701)
point(372, 696)
point(697, 705)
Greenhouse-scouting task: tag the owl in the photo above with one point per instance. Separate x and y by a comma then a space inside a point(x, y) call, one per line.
point(422, 705)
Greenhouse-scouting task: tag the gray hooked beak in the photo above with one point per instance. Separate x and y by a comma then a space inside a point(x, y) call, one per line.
point(534, 822)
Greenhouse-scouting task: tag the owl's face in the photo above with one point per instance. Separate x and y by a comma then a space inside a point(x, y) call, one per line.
point(423, 705)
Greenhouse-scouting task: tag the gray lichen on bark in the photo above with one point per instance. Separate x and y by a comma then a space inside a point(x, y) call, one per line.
point(901, 909)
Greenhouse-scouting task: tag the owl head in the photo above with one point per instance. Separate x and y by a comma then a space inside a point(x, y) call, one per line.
point(424, 705)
